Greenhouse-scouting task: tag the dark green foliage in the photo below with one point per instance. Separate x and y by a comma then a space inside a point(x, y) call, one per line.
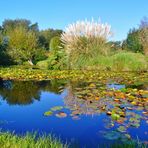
point(4, 58)
point(45, 37)
point(10, 24)
point(57, 60)
point(132, 42)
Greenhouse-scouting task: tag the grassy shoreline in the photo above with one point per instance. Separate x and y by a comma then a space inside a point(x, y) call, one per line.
point(10, 140)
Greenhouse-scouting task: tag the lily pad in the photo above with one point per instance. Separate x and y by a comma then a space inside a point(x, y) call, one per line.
point(127, 136)
point(56, 108)
point(135, 124)
point(121, 129)
point(61, 115)
point(115, 116)
point(48, 113)
point(112, 135)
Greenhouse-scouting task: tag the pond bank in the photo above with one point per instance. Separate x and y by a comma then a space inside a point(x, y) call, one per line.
point(10, 140)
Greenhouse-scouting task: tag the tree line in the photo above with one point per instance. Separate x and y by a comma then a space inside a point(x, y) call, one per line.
point(22, 42)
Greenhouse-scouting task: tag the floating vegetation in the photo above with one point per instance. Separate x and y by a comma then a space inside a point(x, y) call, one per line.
point(56, 108)
point(18, 73)
point(119, 96)
point(121, 129)
point(112, 135)
point(61, 115)
point(123, 107)
point(48, 113)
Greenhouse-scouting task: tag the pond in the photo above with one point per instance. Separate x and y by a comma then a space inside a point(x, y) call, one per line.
point(85, 114)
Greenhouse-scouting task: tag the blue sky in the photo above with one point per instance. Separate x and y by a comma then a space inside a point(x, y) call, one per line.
point(121, 14)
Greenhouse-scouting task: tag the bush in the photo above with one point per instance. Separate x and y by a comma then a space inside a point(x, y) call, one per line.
point(55, 43)
point(127, 61)
point(122, 61)
point(57, 60)
point(43, 64)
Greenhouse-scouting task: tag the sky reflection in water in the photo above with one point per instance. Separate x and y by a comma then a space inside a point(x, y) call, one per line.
point(86, 105)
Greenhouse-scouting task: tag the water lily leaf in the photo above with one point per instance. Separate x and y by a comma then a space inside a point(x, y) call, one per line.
point(128, 136)
point(134, 103)
point(123, 90)
point(121, 129)
point(138, 116)
point(48, 113)
point(76, 118)
point(56, 108)
point(112, 135)
point(135, 124)
point(133, 119)
point(61, 115)
point(115, 116)
point(92, 85)
point(75, 112)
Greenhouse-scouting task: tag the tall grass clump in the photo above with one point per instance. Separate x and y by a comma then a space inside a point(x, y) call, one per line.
point(121, 61)
point(128, 61)
point(9, 140)
point(84, 40)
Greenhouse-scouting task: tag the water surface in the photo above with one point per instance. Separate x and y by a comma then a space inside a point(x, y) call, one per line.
point(86, 106)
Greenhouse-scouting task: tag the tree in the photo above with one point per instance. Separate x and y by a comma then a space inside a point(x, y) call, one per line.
point(9, 25)
point(4, 58)
point(45, 37)
point(132, 41)
point(137, 39)
point(23, 45)
point(143, 34)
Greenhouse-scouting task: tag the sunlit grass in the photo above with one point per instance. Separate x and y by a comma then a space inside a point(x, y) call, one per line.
point(10, 140)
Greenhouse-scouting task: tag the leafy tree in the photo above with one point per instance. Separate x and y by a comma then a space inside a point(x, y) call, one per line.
point(133, 42)
point(4, 58)
point(45, 37)
point(137, 39)
point(23, 45)
point(9, 25)
point(143, 35)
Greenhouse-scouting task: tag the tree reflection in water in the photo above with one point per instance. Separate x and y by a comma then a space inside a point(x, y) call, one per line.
point(25, 92)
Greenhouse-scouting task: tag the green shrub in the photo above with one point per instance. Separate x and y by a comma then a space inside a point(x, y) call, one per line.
point(57, 60)
point(43, 64)
point(121, 61)
point(55, 43)
point(127, 61)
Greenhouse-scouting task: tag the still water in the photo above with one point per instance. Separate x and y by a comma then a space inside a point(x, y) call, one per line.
point(85, 114)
